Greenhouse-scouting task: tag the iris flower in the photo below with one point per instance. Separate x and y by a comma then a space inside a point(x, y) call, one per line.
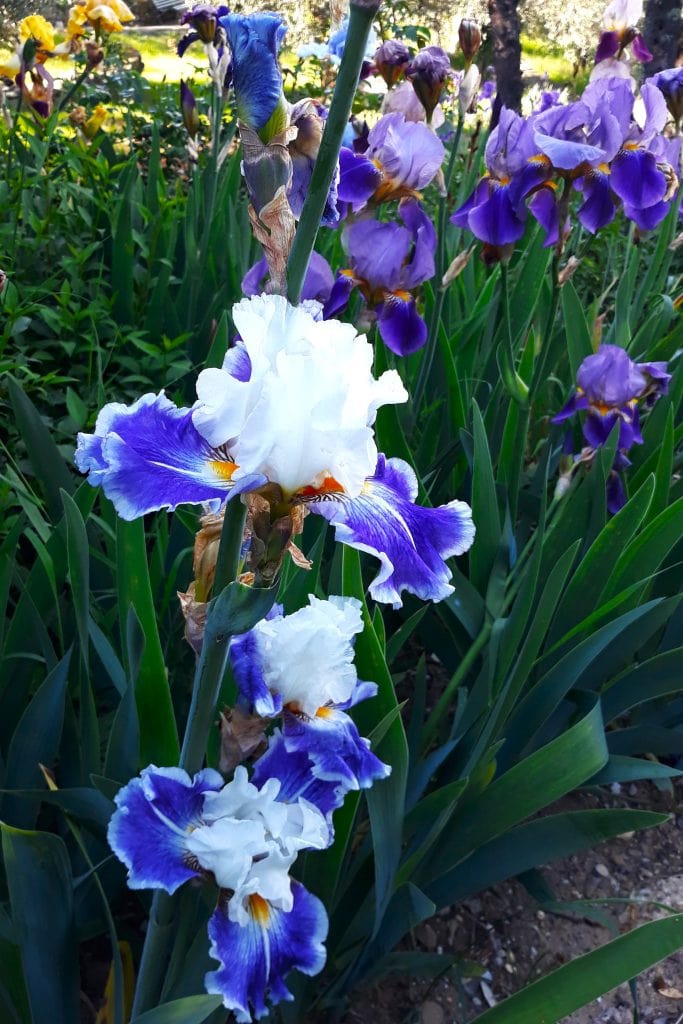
point(243, 838)
point(387, 262)
point(291, 411)
point(300, 667)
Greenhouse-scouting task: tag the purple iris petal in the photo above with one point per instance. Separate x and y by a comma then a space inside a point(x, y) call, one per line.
point(246, 667)
point(647, 218)
point(636, 179)
point(337, 751)
point(400, 325)
point(186, 41)
point(565, 154)
point(616, 492)
point(377, 251)
point(339, 296)
point(318, 282)
point(640, 50)
point(608, 46)
point(575, 403)
point(149, 828)
point(257, 80)
point(598, 208)
point(294, 771)
point(421, 266)
point(510, 145)
point(543, 205)
point(497, 220)
point(411, 542)
point(598, 426)
point(409, 152)
point(149, 455)
point(359, 178)
point(255, 959)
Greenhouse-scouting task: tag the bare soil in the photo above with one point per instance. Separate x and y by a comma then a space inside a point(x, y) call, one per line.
point(513, 941)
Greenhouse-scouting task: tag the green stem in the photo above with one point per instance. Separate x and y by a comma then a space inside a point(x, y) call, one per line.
point(205, 690)
point(435, 320)
point(360, 22)
point(454, 682)
point(74, 88)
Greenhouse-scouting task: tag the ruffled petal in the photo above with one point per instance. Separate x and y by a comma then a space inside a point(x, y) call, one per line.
point(411, 542)
point(400, 325)
point(335, 747)
point(149, 455)
point(155, 815)
point(294, 770)
point(256, 958)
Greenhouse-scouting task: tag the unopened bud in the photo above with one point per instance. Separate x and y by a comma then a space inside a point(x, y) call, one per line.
point(456, 268)
point(188, 106)
point(469, 88)
point(469, 36)
point(568, 270)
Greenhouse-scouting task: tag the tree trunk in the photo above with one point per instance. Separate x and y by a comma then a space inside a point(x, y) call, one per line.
point(663, 33)
point(507, 53)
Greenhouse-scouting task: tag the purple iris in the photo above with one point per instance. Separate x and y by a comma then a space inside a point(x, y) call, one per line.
point(391, 60)
point(402, 158)
point(495, 212)
point(670, 84)
point(318, 282)
point(309, 120)
point(429, 71)
point(387, 262)
point(203, 22)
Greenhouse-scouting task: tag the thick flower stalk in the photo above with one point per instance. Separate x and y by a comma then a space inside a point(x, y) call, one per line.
point(289, 417)
point(610, 390)
point(388, 262)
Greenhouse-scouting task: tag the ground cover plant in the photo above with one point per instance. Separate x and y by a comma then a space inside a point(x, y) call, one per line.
point(321, 369)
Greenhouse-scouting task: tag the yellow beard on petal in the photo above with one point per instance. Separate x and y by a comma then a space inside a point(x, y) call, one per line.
point(259, 910)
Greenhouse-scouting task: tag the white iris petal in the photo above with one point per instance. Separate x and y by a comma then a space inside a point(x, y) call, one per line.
point(307, 411)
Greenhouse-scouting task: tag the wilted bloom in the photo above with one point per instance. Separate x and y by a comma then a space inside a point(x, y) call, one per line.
point(401, 159)
point(391, 60)
point(469, 37)
point(242, 838)
point(387, 262)
point(670, 84)
point(429, 71)
point(610, 387)
point(300, 667)
point(468, 89)
point(290, 416)
point(317, 283)
point(306, 123)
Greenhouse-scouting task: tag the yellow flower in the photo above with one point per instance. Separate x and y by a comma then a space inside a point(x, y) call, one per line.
point(11, 66)
point(36, 27)
point(95, 121)
point(104, 17)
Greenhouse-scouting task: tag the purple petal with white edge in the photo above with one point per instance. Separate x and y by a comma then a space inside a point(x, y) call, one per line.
point(411, 542)
point(337, 750)
point(401, 327)
point(636, 179)
point(149, 455)
point(237, 362)
point(294, 771)
point(359, 178)
point(149, 829)
point(245, 661)
point(256, 959)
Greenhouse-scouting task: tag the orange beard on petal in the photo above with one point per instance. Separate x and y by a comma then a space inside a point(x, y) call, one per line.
point(328, 487)
point(223, 469)
point(259, 909)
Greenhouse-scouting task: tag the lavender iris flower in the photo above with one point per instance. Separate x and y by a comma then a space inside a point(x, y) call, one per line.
point(402, 158)
point(387, 262)
point(610, 389)
point(670, 84)
point(391, 60)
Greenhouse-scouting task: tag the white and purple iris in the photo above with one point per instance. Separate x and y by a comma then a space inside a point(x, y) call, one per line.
point(294, 406)
point(387, 262)
point(610, 389)
point(244, 838)
point(300, 668)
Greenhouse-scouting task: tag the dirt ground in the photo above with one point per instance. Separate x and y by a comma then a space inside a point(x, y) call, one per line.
point(513, 941)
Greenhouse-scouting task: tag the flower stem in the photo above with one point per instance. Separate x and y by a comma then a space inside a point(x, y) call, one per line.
point(360, 22)
point(440, 294)
point(207, 682)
